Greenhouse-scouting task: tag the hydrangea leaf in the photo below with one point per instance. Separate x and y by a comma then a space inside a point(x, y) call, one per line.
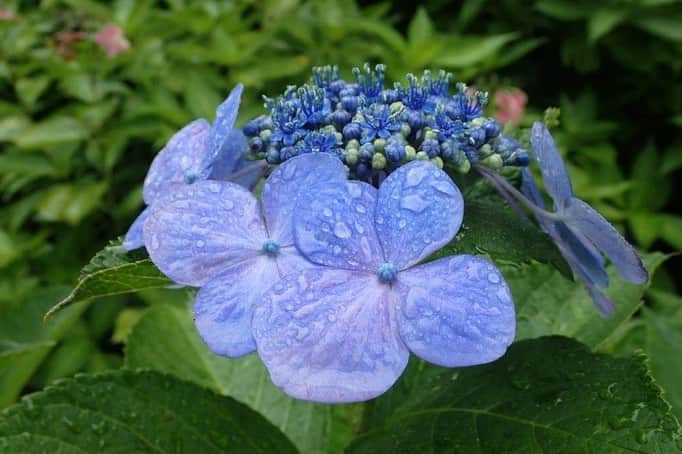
point(26, 340)
point(546, 303)
point(127, 411)
point(312, 427)
point(490, 228)
point(658, 331)
point(113, 271)
point(545, 395)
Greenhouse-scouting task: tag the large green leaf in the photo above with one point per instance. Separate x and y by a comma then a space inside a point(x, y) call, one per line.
point(165, 339)
point(25, 340)
point(113, 271)
point(658, 331)
point(492, 229)
point(127, 411)
point(547, 303)
point(545, 395)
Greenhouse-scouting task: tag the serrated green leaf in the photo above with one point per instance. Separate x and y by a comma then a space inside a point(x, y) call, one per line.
point(494, 230)
point(545, 395)
point(547, 303)
point(312, 427)
point(113, 271)
point(663, 345)
point(126, 411)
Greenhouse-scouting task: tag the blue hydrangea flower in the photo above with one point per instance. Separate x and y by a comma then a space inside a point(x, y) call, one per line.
point(199, 151)
point(215, 235)
point(342, 331)
point(424, 121)
point(578, 230)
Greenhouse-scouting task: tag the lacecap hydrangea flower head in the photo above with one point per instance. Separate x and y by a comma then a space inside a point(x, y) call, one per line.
point(327, 277)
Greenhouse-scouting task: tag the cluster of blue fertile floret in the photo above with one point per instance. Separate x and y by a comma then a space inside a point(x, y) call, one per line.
point(374, 129)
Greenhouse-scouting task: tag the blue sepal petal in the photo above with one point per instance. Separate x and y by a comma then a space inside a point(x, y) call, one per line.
point(330, 335)
point(456, 311)
point(583, 218)
point(134, 238)
point(195, 232)
point(554, 174)
point(419, 210)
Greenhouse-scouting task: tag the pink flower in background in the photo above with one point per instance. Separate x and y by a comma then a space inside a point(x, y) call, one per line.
point(7, 15)
point(511, 104)
point(112, 40)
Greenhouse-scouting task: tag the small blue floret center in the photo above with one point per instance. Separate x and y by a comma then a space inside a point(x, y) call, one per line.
point(387, 272)
point(271, 248)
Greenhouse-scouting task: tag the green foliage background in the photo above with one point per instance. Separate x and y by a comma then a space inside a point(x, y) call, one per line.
point(77, 136)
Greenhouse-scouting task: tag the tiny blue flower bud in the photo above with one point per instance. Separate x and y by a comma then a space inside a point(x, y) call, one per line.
point(476, 137)
point(350, 103)
point(252, 127)
point(431, 147)
point(255, 144)
point(352, 131)
point(390, 96)
point(395, 150)
point(272, 156)
point(340, 118)
point(363, 171)
point(416, 120)
point(492, 129)
point(287, 152)
point(367, 151)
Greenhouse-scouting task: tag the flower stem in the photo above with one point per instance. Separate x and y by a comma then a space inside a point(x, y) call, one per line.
point(507, 189)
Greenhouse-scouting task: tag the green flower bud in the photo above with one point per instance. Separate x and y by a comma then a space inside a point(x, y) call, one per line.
point(410, 153)
point(430, 134)
point(437, 161)
point(464, 167)
point(485, 151)
point(397, 106)
point(352, 156)
point(265, 133)
point(478, 121)
point(405, 129)
point(494, 161)
point(422, 156)
point(379, 144)
point(378, 161)
point(353, 143)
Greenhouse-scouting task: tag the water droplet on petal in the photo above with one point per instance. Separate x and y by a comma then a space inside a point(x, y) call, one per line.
point(342, 231)
point(414, 202)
